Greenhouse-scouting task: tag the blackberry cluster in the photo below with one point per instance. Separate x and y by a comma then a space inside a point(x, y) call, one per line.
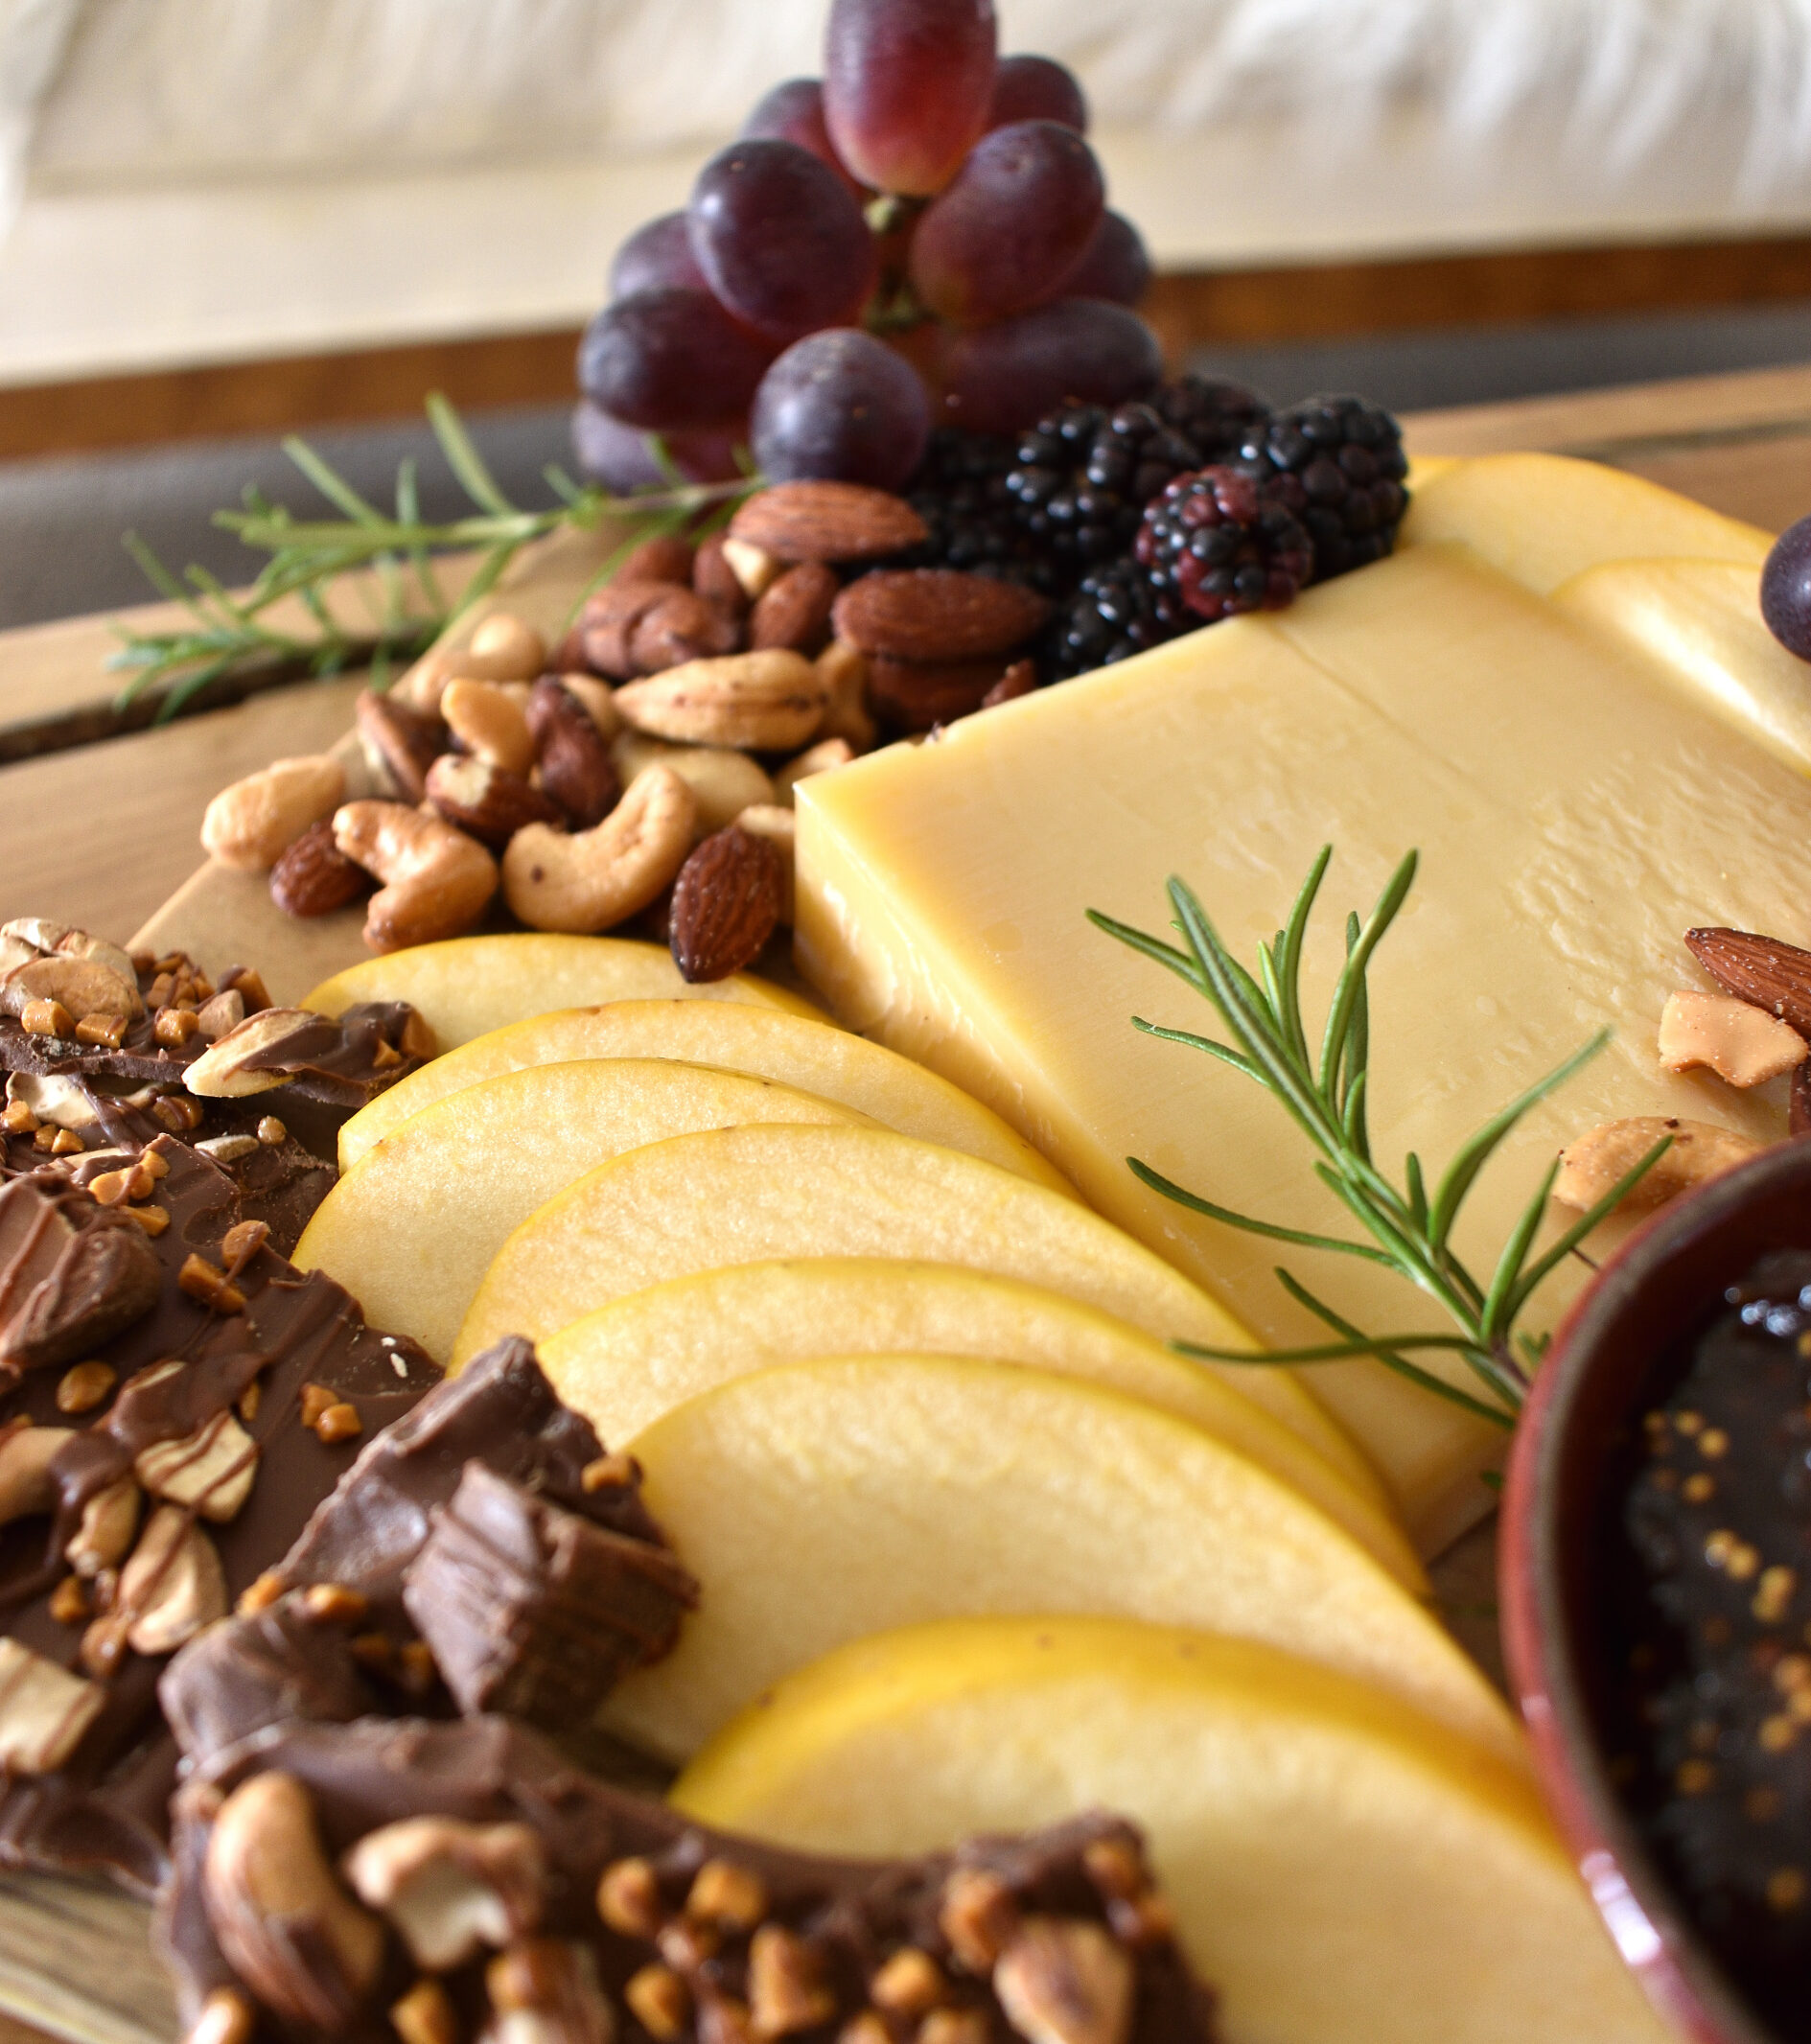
point(1212, 416)
point(1118, 611)
point(960, 490)
point(1223, 544)
point(1337, 464)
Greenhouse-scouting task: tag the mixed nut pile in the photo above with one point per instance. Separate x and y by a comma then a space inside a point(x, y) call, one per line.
point(644, 767)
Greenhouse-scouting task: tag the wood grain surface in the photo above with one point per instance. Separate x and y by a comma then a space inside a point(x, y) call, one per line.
point(104, 835)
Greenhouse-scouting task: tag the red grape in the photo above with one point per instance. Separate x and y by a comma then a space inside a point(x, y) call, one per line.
point(1035, 88)
point(780, 239)
point(1017, 217)
point(1786, 589)
point(906, 87)
point(794, 112)
point(670, 359)
point(656, 254)
point(619, 456)
point(842, 406)
point(1114, 265)
point(997, 379)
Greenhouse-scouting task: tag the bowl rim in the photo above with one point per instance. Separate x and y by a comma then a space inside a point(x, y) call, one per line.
point(1543, 1613)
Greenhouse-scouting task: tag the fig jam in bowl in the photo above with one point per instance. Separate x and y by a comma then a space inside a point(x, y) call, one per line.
point(1656, 1586)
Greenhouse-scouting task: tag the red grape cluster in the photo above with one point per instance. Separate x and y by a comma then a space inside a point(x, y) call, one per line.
point(922, 235)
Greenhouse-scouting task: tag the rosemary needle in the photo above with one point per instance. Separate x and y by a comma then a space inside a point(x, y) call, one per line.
point(1405, 1227)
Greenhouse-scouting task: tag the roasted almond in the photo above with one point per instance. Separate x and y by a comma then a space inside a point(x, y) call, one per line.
point(606, 624)
point(827, 522)
point(937, 613)
point(1761, 971)
point(726, 904)
point(682, 626)
point(795, 611)
point(664, 558)
point(914, 695)
point(766, 702)
point(314, 876)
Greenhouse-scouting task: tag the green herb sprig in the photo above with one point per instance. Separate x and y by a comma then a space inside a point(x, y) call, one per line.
point(1409, 1229)
point(409, 607)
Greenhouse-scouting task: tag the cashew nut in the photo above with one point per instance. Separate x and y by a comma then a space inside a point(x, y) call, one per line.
point(451, 1887)
point(26, 1456)
point(210, 1471)
point(438, 881)
point(173, 1584)
point(83, 985)
point(297, 1939)
point(104, 1537)
point(723, 781)
point(48, 1711)
point(817, 758)
point(252, 824)
point(503, 648)
point(594, 878)
point(843, 669)
point(490, 721)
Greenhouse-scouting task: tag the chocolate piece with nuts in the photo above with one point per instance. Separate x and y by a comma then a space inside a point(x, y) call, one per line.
point(146, 1483)
point(463, 1880)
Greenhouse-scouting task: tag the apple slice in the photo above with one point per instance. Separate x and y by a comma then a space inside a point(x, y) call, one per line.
point(820, 1501)
point(735, 1036)
point(410, 1230)
point(730, 1197)
point(470, 986)
point(630, 1362)
point(1342, 1870)
point(1701, 622)
point(1542, 518)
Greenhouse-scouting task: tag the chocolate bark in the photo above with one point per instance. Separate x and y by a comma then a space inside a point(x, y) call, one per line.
point(149, 1486)
point(494, 1881)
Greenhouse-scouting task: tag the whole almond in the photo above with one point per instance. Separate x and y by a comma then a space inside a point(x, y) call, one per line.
point(764, 701)
point(1761, 971)
point(914, 695)
point(827, 522)
point(795, 611)
point(680, 627)
point(314, 876)
point(725, 904)
point(937, 613)
point(606, 624)
point(485, 799)
point(664, 558)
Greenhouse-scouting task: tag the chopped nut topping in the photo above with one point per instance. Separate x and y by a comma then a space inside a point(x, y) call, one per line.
point(954, 2026)
point(722, 1892)
point(316, 1400)
point(424, 2016)
point(868, 2028)
point(334, 1602)
point(241, 1241)
point(1065, 1982)
point(786, 1989)
point(17, 1119)
point(249, 1400)
point(271, 1131)
point(415, 1668)
point(106, 1032)
point(629, 1898)
point(226, 2018)
point(153, 1220)
point(340, 1422)
point(1113, 1864)
point(103, 1646)
point(69, 1601)
point(82, 1389)
point(47, 1018)
point(175, 1026)
point(1785, 1890)
point(260, 1594)
point(687, 1945)
point(372, 1650)
point(65, 1143)
point(553, 1984)
point(658, 2001)
point(908, 1983)
point(179, 1115)
point(977, 1916)
point(42, 1138)
point(609, 1472)
point(111, 1186)
point(210, 1285)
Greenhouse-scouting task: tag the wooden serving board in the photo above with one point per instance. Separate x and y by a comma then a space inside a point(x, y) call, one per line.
point(104, 833)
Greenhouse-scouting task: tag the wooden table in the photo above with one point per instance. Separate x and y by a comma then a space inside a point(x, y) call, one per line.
point(100, 833)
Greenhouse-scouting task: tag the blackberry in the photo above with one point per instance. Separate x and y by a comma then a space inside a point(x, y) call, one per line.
point(1117, 612)
point(1085, 475)
point(1213, 417)
point(1223, 546)
point(960, 490)
point(1337, 464)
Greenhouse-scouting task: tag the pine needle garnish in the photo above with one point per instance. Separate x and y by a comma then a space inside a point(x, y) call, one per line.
point(1406, 1228)
point(228, 635)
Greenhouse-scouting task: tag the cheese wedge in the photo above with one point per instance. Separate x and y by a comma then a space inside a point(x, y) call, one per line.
point(471, 985)
point(1342, 1870)
point(1575, 812)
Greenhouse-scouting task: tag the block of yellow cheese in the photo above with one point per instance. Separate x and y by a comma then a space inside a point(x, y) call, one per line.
point(1576, 811)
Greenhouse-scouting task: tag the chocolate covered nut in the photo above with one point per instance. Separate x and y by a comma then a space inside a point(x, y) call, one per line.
point(72, 1276)
point(531, 1610)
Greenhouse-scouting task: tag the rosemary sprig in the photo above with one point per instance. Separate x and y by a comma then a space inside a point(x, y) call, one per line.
point(1409, 1229)
point(407, 606)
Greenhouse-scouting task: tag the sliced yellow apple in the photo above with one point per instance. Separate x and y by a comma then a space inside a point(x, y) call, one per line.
point(1701, 622)
point(1543, 519)
point(820, 1501)
point(731, 1196)
point(735, 1036)
point(1342, 1870)
point(410, 1230)
point(470, 986)
point(631, 1362)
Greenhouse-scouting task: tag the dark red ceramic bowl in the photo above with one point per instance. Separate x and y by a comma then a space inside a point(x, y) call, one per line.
point(1664, 1280)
